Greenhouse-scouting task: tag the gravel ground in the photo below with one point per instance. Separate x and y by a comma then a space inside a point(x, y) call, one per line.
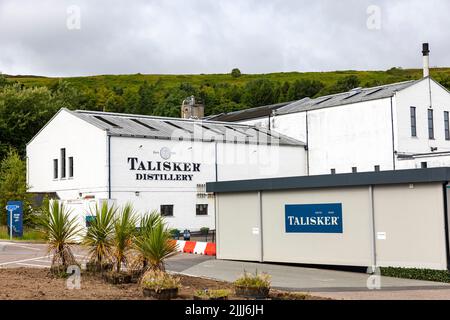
point(39, 284)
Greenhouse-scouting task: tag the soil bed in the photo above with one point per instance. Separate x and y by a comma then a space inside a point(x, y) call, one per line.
point(37, 283)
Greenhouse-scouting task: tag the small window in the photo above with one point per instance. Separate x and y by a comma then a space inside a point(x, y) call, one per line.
point(377, 168)
point(354, 169)
point(430, 124)
point(55, 168)
point(446, 126)
point(333, 171)
point(70, 167)
point(201, 210)
point(63, 163)
point(413, 122)
point(424, 165)
point(167, 210)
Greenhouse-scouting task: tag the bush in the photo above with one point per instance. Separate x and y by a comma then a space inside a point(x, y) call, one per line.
point(175, 233)
point(212, 294)
point(257, 280)
point(417, 274)
point(159, 280)
point(204, 230)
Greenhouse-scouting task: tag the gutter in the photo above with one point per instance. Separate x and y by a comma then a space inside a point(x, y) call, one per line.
point(392, 133)
point(109, 167)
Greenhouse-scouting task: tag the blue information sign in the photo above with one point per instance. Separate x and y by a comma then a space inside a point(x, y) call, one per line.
point(314, 218)
point(16, 208)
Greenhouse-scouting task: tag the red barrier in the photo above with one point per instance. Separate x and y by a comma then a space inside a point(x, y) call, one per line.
point(210, 249)
point(189, 246)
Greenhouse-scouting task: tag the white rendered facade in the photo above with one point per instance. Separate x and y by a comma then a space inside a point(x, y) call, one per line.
point(102, 166)
point(372, 134)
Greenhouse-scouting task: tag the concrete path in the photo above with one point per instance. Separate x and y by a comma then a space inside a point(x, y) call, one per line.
point(325, 283)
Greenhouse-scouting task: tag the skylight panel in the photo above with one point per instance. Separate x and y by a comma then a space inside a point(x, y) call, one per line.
point(112, 124)
point(143, 124)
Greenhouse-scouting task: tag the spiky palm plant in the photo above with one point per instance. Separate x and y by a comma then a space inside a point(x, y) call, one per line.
point(148, 222)
point(124, 231)
point(61, 230)
point(99, 235)
point(155, 244)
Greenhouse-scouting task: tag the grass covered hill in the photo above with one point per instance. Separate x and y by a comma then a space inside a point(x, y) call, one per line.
point(28, 102)
point(172, 81)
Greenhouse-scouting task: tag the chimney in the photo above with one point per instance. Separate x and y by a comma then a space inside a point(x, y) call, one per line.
point(426, 59)
point(192, 108)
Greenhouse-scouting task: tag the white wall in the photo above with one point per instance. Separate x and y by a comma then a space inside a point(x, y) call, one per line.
point(356, 135)
point(153, 194)
point(84, 142)
point(419, 96)
point(234, 162)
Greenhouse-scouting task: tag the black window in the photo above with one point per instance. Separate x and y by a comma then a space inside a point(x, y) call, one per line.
point(423, 165)
point(430, 124)
point(413, 122)
point(446, 126)
point(354, 169)
point(201, 210)
point(167, 210)
point(70, 167)
point(333, 171)
point(55, 168)
point(63, 163)
point(377, 168)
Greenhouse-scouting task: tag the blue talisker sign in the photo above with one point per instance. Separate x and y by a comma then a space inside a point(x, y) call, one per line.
point(314, 218)
point(16, 208)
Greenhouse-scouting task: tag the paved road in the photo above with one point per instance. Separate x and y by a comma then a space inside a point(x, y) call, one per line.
point(20, 254)
point(320, 282)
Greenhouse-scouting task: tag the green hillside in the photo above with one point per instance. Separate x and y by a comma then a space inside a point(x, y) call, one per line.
point(28, 102)
point(170, 81)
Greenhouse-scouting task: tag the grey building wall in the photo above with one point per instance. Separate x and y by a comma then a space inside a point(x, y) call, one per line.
point(405, 227)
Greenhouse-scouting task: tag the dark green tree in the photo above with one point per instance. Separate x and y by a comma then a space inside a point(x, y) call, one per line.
point(259, 92)
point(300, 89)
point(13, 184)
point(236, 73)
point(147, 103)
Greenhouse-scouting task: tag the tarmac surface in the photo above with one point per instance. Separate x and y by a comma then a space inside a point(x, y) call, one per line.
point(319, 282)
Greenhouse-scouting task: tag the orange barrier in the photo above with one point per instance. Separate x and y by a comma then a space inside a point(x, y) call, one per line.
point(189, 246)
point(210, 249)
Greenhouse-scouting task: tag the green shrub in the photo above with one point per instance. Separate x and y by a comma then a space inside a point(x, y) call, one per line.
point(204, 230)
point(28, 234)
point(174, 233)
point(213, 294)
point(417, 274)
point(159, 280)
point(257, 280)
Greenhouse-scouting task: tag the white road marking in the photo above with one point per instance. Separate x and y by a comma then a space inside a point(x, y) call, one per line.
point(24, 260)
point(19, 245)
point(32, 265)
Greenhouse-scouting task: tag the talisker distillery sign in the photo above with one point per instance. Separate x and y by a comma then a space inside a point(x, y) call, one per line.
point(163, 170)
point(314, 218)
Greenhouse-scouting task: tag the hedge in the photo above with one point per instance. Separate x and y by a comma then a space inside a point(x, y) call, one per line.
point(417, 274)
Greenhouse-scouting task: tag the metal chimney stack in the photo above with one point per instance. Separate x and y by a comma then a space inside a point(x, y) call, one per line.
point(426, 59)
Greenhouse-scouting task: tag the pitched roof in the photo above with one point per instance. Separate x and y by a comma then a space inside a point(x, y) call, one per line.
point(141, 126)
point(352, 96)
point(251, 113)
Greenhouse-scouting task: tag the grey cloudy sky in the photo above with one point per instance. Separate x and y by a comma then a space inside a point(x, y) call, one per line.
point(214, 36)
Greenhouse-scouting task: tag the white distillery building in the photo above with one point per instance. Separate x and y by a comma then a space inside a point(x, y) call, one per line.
point(155, 163)
point(397, 126)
